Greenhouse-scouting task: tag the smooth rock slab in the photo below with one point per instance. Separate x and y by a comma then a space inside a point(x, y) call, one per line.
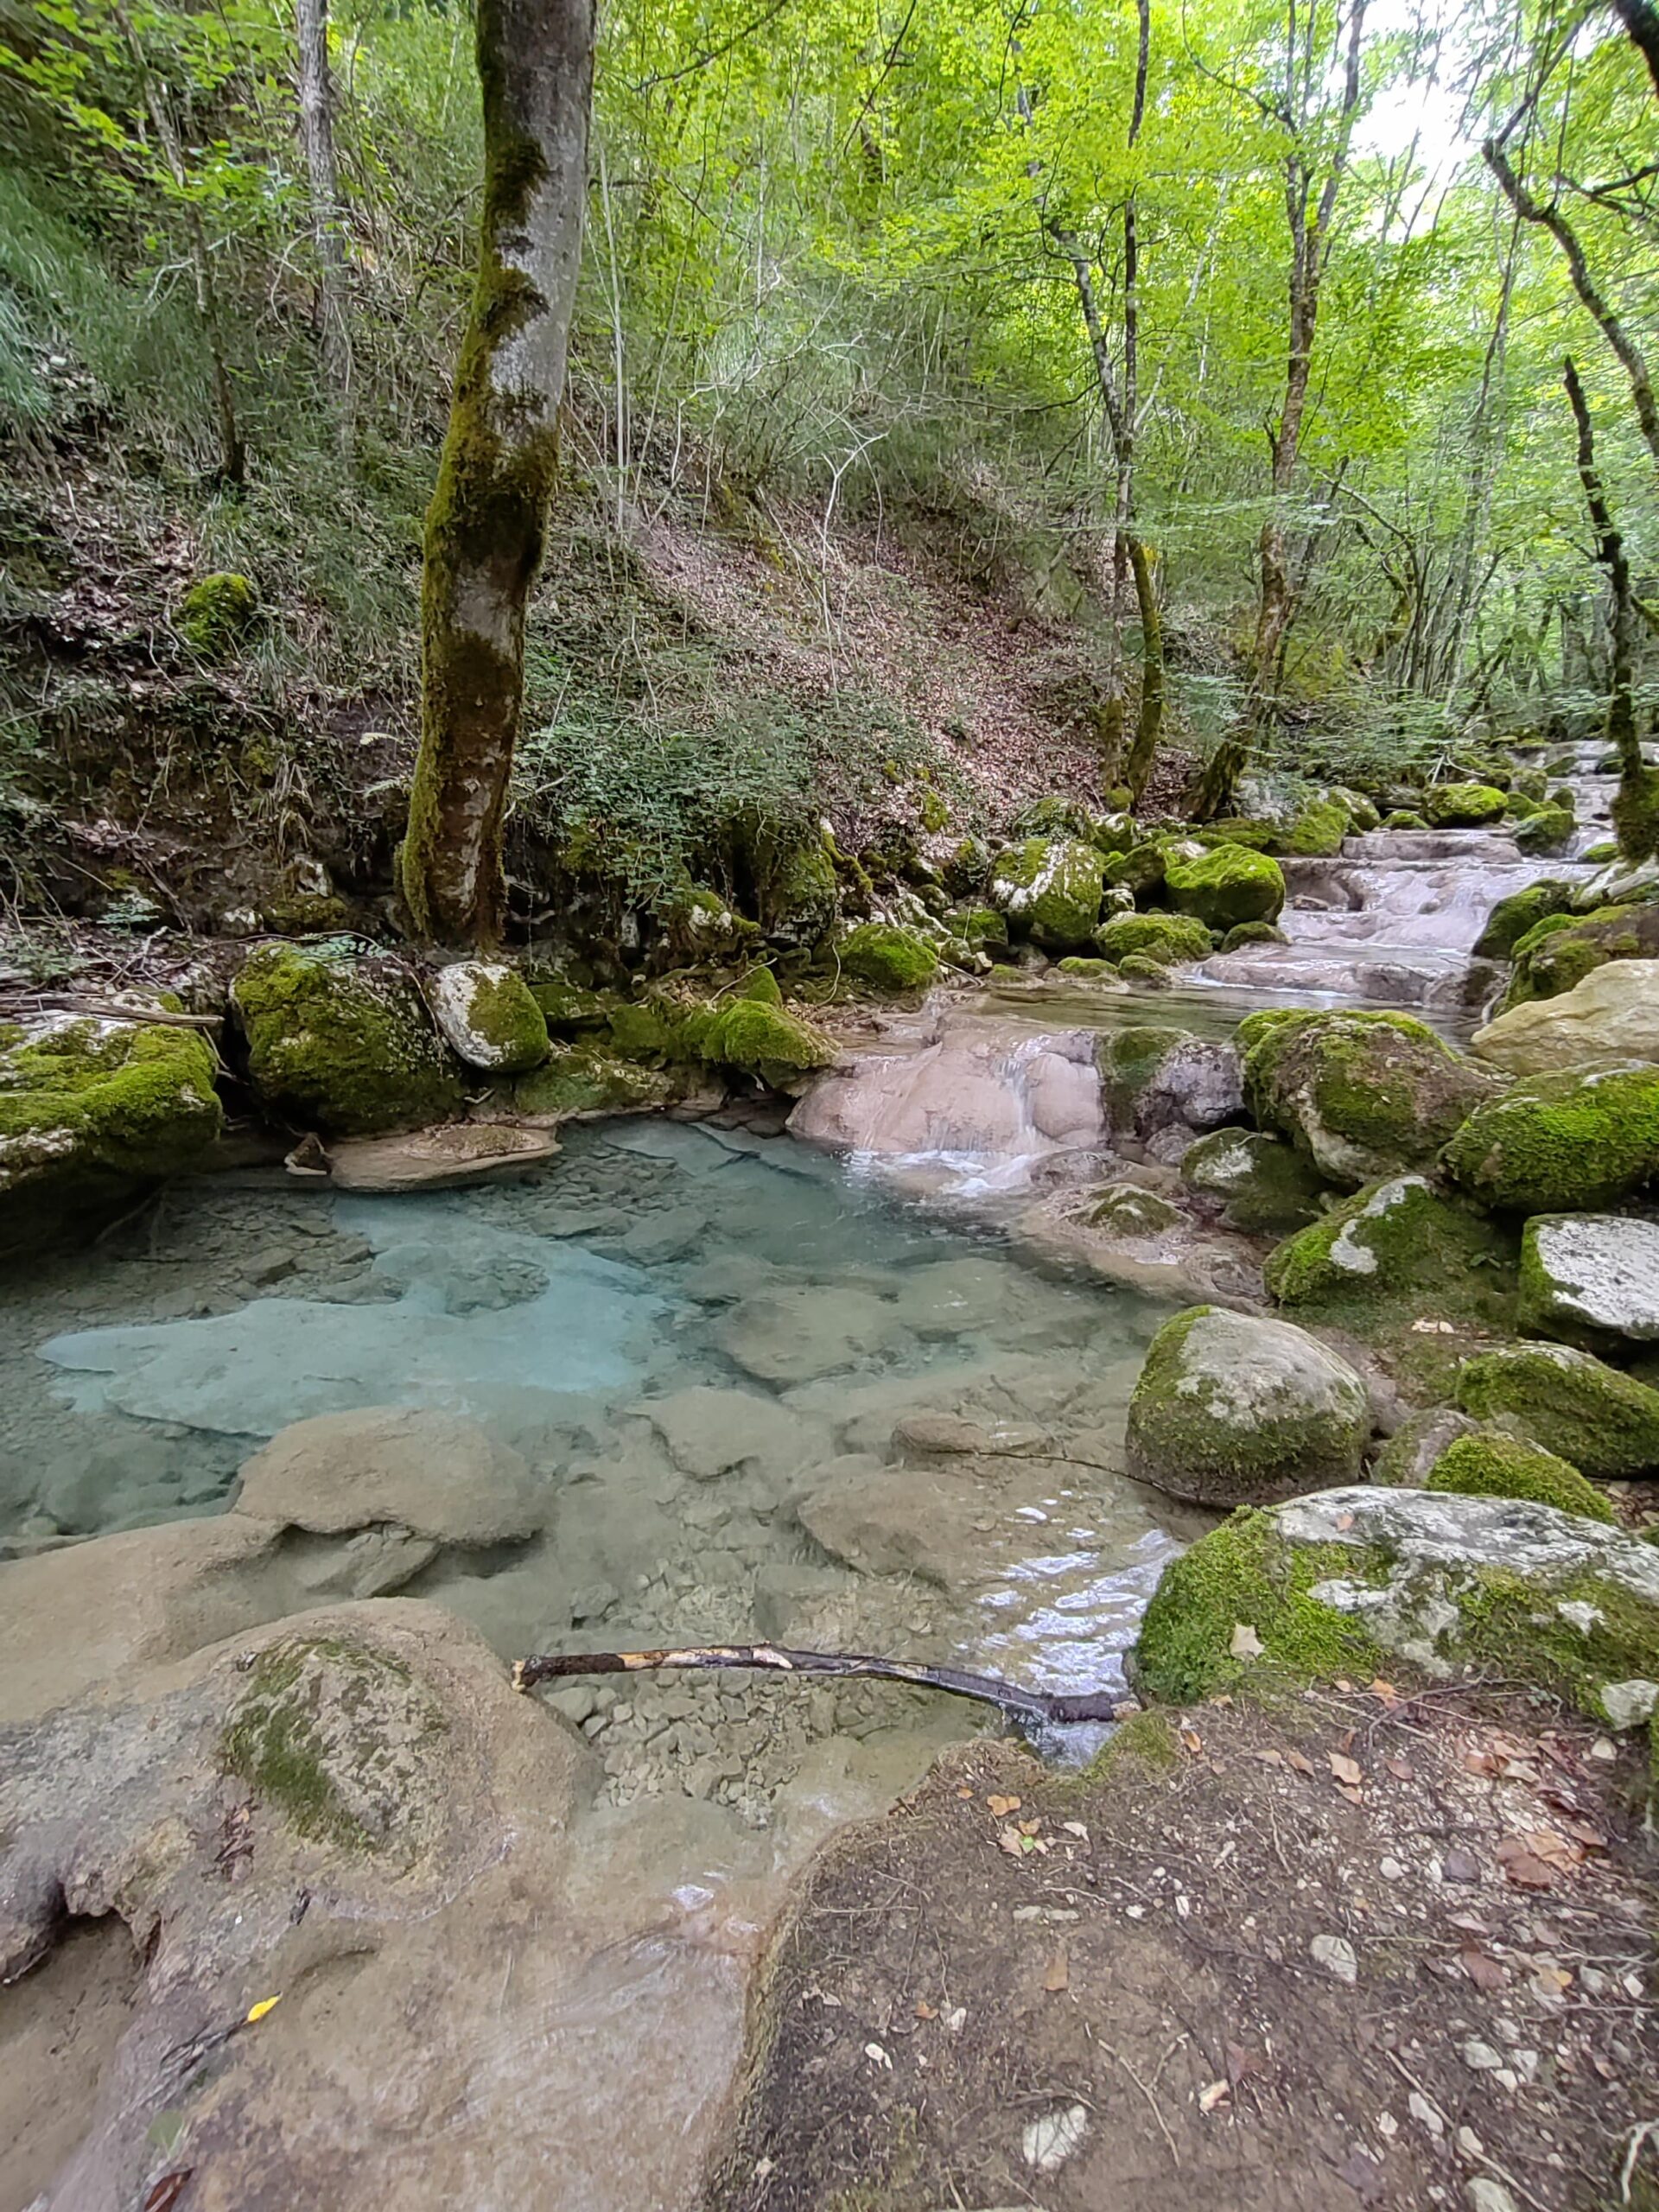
point(1613, 1014)
point(1591, 1272)
point(432, 1474)
point(709, 1432)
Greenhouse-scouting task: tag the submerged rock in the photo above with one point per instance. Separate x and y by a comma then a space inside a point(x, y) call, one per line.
point(489, 1016)
point(1340, 1583)
point(1591, 1275)
point(345, 1044)
point(1561, 1143)
point(1606, 1423)
point(90, 1109)
point(1360, 1094)
point(1231, 1409)
point(1489, 1464)
point(1050, 888)
point(1612, 1015)
point(1264, 1186)
point(430, 1472)
point(1399, 1238)
point(1225, 885)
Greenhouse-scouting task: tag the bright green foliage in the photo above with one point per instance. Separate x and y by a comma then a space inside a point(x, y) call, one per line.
point(1169, 939)
point(1491, 1465)
point(342, 1045)
point(1462, 806)
point(1603, 1421)
point(887, 957)
point(1565, 1143)
point(1226, 886)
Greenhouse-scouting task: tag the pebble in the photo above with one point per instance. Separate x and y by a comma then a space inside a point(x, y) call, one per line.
point(1052, 2138)
point(1488, 2196)
point(1336, 1954)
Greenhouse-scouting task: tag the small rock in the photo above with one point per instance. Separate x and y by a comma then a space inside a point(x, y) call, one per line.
point(1488, 2196)
point(1460, 1866)
point(1049, 2140)
point(1627, 1705)
point(1480, 2057)
point(1424, 2113)
point(1336, 1954)
point(1391, 1869)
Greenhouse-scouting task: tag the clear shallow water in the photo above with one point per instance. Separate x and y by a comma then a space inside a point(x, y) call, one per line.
point(665, 1299)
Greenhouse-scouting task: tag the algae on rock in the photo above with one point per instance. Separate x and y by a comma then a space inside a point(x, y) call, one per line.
point(1489, 1464)
point(1604, 1422)
point(1563, 1143)
point(488, 1016)
point(345, 1044)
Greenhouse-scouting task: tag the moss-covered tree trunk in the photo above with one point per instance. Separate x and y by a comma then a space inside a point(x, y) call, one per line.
point(1149, 721)
point(484, 528)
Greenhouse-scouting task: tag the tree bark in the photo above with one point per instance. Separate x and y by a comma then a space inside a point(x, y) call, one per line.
point(1149, 722)
point(328, 220)
point(1642, 21)
point(484, 528)
point(1532, 210)
point(1636, 810)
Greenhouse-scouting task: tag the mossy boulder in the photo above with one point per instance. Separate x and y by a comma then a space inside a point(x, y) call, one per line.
point(1401, 1238)
point(887, 957)
point(588, 1078)
point(1362, 813)
point(1113, 834)
point(1547, 829)
point(1263, 1186)
point(216, 611)
point(1225, 885)
point(1462, 806)
point(1604, 1422)
point(1512, 917)
point(751, 1038)
point(90, 1110)
point(1246, 933)
point(1086, 969)
point(566, 1006)
point(1139, 871)
point(1229, 1409)
point(1169, 939)
point(699, 924)
point(345, 1045)
point(1125, 1210)
point(799, 892)
point(1316, 832)
point(1489, 1464)
point(1049, 888)
point(1360, 1094)
point(1405, 1459)
point(488, 1016)
point(1568, 1143)
point(1155, 1077)
point(1590, 1278)
point(978, 927)
point(1053, 815)
point(1404, 817)
point(1559, 951)
point(1351, 1580)
point(1142, 968)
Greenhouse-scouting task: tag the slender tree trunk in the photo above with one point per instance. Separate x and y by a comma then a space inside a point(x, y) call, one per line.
point(328, 219)
point(1636, 810)
point(485, 525)
point(1532, 210)
point(233, 455)
point(1149, 722)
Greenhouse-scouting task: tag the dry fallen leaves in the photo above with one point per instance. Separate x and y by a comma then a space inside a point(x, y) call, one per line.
point(1523, 1867)
point(1001, 1807)
point(1302, 1765)
point(1345, 1770)
point(1482, 1969)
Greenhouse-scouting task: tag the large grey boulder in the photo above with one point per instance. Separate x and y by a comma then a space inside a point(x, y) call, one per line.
point(436, 1474)
point(1231, 1409)
point(1157, 1079)
point(1613, 1014)
point(1591, 1275)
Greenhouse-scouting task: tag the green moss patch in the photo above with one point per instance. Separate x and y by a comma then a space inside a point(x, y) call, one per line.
point(1050, 888)
point(216, 611)
point(1565, 1143)
point(1169, 939)
point(1491, 1465)
point(888, 958)
point(1264, 1186)
point(1399, 1241)
point(1601, 1420)
point(1512, 917)
point(1225, 885)
point(344, 1045)
point(1462, 806)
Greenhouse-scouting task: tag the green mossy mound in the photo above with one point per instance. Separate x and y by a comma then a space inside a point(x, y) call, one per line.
point(1404, 819)
point(1570, 1143)
point(799, 892)
point(757, 1040)
point(1344, 1584)
point(978, 927)
point(90, 1109)
point(1404, 1460)
point(1169, 939)
point(1252, 933)
point(217, 613)
point(1360, 1094)
point(1142, 968)
point(1138, 870)
point(1264, 1186)
point(1462, 806)
point(1512, 918)
point(1547, 829)
point(1317, 832)
point(1086, 969)
point(887, 957)
point(489, 1017)
point(1230, 1409)
point(1491, 1465)
point(1050, 888)
point(1558, 952)
point(699, 924)
point(343, 1046)
point(1125, 1210)
point(1362, 814)
point(588, 1078)
point(1399, 1239)
point(567, 1006)
point(1602, 1423)
point(1225, 885)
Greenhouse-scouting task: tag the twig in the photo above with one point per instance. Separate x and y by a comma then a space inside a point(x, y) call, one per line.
point(1033, 1706)
point(1502, 2173)
point(1157, 2110)
point(1642, 2133)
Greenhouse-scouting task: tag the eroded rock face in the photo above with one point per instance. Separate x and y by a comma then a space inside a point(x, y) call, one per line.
point(1613, 1014)
point(1339, 1582)
point(1232, 1410)
point(1157, 1079)
point(432, 1474)
point(1591, 1275)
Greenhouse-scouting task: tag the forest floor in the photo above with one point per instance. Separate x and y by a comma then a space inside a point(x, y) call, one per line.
point(1365, 1948)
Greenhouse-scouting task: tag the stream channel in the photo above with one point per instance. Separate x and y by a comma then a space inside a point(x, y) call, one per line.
point(727, 1357)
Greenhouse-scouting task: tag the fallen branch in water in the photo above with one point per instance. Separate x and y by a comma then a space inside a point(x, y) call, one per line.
point(1036, 1705)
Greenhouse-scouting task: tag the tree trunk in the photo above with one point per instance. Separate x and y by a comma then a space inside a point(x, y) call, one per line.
point(484, 527)
point(1636, 810)
point(327, 220)
point(1642, 21)
point(1612, 329)
point(1149, 722)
